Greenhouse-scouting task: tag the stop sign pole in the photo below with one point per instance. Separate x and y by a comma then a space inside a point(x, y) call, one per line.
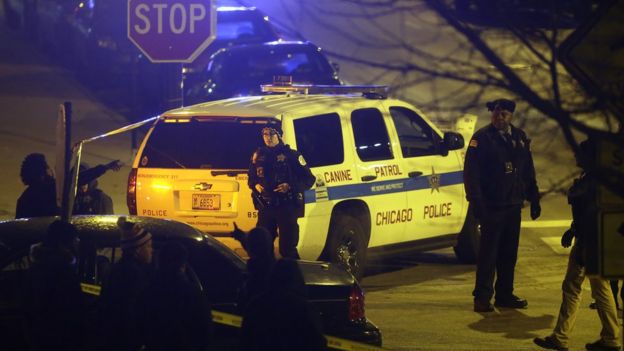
point(168, 31)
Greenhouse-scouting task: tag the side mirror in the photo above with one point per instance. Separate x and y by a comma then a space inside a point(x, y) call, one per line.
point(453, 141)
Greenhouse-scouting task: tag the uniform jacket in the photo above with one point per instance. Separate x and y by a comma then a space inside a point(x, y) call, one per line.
point(280, 164)
point(497, 173)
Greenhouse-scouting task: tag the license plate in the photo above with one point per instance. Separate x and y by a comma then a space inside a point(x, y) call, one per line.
point(206, 202)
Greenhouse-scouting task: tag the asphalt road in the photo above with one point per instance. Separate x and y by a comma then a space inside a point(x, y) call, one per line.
point(424, 301)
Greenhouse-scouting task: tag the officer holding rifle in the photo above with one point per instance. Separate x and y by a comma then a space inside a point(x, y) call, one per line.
point(278, 177)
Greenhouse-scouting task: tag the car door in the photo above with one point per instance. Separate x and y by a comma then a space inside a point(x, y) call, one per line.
point(13, 319)
point(381, 175)
point(435, 185)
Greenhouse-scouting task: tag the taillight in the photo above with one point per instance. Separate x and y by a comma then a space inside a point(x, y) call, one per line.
point(131, 193)
point(356, 304)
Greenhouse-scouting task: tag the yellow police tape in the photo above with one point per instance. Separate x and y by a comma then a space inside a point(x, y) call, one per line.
point(227, 319)
point(91, 289)
point(236, 321)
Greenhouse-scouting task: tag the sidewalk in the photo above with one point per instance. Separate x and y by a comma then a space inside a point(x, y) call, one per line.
point(31, 88)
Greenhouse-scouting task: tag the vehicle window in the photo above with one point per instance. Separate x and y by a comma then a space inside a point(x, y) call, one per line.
point(319, 139)
point(220, 278)
point(21, 262)
point(246, 69)
point(12, 275)
point(98, 269)
point(243, 26)
point(371, 136)
point(415, 136)
point(244, 30)
point(105, 258)
point(195, 144)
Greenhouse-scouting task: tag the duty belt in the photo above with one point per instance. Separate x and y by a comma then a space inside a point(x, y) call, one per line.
point(279, 200)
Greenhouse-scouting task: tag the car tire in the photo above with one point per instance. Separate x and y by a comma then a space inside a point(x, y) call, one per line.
point(347, 244)
point(467, 248)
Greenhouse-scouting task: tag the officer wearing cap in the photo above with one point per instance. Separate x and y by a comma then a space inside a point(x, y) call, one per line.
point(278, 177)
point(499, 176)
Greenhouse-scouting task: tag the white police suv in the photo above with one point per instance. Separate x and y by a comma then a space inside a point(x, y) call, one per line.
point(387, 179)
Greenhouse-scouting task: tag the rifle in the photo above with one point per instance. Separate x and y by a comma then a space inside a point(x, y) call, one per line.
point(258, 200)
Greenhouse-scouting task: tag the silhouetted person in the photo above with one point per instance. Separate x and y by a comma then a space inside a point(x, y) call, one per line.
point(120, 293)
point(281, 318)
point(175, 314)
point(39, 198)
point(90, 200)
point(53, 297)
point(582, 198)
point(259, 246)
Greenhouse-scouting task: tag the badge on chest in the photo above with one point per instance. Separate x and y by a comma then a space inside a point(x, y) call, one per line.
point(508, 167)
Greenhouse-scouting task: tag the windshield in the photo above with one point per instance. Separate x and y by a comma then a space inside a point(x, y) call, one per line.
point(245, 70)
point(216, 143)
point(243, 30)
point(244, 26)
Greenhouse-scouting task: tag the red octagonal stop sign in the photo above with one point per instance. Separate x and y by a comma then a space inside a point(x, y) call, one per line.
point(172, 30)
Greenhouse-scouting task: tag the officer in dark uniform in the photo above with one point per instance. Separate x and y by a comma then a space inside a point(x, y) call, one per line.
point(499, 176)
point(278, 177)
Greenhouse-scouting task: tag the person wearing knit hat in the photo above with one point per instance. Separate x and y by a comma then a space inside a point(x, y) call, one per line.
point(135, 240)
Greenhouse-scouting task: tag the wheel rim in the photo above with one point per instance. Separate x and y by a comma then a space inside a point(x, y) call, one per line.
point(347, 253)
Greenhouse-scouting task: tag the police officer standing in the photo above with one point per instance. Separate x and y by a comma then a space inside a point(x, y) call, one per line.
point(499, 176)
point(278, 177)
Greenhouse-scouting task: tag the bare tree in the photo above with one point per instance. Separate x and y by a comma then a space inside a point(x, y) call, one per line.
point(450, 56)
point(566, 109)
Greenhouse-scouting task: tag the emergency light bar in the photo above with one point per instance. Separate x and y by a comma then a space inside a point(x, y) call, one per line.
point(282, 85)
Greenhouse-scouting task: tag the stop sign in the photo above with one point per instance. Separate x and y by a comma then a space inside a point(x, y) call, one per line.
point(172, 30)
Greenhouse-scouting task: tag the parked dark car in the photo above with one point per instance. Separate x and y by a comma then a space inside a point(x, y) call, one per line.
point(216, 269)
point(240, 70)
point(94, 43)
point(237, 26)
point(98, 33)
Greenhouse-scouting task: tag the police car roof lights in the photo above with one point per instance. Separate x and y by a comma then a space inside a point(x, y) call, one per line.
point(284, 85)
